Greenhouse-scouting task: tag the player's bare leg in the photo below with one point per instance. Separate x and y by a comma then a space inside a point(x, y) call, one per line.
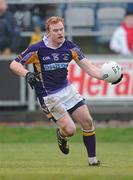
point(66, 129)
point(83, 117)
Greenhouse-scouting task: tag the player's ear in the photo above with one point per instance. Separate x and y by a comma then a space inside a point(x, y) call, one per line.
point(47, 34)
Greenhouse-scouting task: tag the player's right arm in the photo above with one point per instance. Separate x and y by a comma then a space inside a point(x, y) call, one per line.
point(29, 56)
point(18, 68)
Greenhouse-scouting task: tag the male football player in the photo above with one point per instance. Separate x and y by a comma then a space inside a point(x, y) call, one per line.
point(58, 98)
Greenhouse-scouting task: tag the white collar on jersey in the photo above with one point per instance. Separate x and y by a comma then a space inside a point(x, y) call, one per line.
point(45, 40)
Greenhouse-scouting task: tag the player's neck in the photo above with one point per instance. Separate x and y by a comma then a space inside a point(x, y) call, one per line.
point(54, 45)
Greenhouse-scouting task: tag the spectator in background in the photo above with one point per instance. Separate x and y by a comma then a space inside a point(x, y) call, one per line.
point(36, 36)
point(23, 17)
point(122, 39)
point(37, 19)
point(8, 29)
point(27, 19)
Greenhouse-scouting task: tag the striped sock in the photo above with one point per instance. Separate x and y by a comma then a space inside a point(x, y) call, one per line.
point(89, 139)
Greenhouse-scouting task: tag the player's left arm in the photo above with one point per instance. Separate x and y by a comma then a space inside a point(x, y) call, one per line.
point(90, 69)
point(86, 64)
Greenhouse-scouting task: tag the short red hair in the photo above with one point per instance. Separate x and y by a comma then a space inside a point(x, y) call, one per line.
point(53, 20)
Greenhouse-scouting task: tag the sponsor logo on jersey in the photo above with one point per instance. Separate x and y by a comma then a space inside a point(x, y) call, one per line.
point(55, 56)
point(55, 66)
point(46, 58)
point(66, 57)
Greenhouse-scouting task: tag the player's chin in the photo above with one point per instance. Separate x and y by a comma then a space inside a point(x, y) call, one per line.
point(60, 40)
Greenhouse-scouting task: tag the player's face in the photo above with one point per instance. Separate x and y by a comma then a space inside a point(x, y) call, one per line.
point(56, 33)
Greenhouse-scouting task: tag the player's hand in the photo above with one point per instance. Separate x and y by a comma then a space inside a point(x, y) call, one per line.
point(118, 80)
point(33, 78)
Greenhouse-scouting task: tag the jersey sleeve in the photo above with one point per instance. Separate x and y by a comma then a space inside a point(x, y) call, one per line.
point(77, 54)
point(28, 56)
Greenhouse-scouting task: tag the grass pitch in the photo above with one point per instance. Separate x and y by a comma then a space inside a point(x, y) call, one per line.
point(32, 154)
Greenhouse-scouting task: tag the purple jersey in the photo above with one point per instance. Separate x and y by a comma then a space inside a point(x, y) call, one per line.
point(52, 63)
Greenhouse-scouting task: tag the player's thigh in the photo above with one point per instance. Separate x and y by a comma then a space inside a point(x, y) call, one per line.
point(83, 117)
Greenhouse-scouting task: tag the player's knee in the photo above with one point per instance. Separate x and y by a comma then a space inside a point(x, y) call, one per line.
point(70, 130)
point(88, 123)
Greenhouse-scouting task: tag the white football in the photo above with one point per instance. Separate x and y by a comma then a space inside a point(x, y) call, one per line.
point(111, 71)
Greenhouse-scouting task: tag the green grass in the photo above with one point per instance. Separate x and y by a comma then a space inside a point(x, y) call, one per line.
point(29, 153)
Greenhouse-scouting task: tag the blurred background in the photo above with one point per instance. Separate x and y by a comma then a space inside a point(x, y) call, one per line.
point(91, 24)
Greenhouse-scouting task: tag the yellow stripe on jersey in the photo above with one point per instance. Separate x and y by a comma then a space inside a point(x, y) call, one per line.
point(33, 59)
point(75, 55)
point(20, 56)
